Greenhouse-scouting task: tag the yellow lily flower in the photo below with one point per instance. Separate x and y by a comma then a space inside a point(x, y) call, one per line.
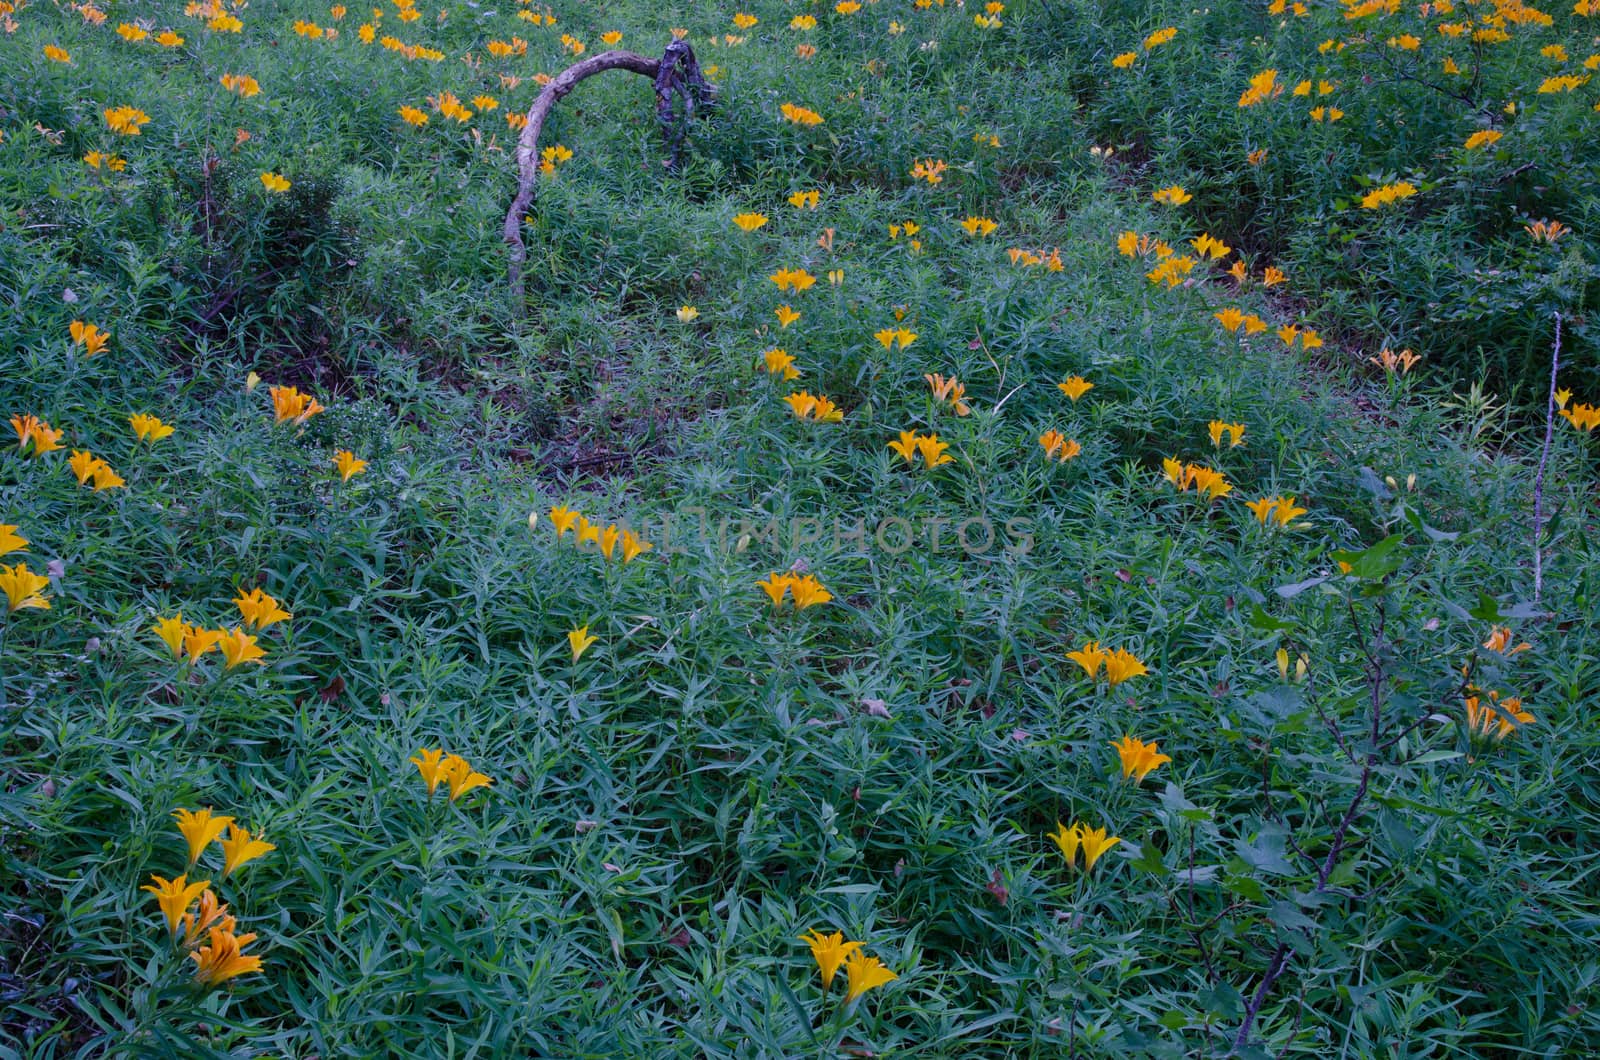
point(224, 958)
point(89, 336)
point(775, 586)
point(948, 391)
point(432, 769)
point(238, 647)
point(1139, 759)
point(239, 848)
point(1500, 640)
point(10, 540)
point(288, 403)
point(1285, 511)
point(1092, 841)
point(978, 226)
point(580, 640)
point(171, 631)
point(865, 974)
point(1262, 508)
point(564, 519)
point(933, 451)
point(1234, 431)
point(808, 592)
point(175, 897)
point(83, 464)
point(22, 588)
point(1075, 386)
point(1090, 657)
point(906, 446)
point(1495, 719)
point(148, 428)
point(1095, 842)
point(45, 439)
point(829, 951)
point(462, 777)
point(1058, 446)
point(24, 426)
point(210, 912)
point(197, 642)
point(105, 478)
point(1067, 841)
point(1122, 665)
point(780, 363)
point(633, 546)
point(813, 407)
point(259, 610)
point(199, 828)
point(347, 464)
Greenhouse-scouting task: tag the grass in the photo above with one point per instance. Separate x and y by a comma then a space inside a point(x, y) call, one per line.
point(1330, 862)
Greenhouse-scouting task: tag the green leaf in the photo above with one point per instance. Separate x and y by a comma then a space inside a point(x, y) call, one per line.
point(1150, 860)
point(1246, 887)
point(1261, 620)
point(1435, 756)
point(1288, 916)
point(1277, 704)
point(1374, 485)
point(1399, 839)
point(1173, 799)
point(1222, 999)
point(1265, 852)
point(1488, 609)
point(1380, 560)
point(1399, 803)
point(1436, 536)
point(1524, 611)
point(1289, 592)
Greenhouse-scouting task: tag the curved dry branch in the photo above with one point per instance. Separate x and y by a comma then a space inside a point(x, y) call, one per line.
point(676, 75)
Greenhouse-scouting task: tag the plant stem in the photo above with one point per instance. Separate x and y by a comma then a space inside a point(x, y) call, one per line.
point(1544, 456)
point(1375, 678)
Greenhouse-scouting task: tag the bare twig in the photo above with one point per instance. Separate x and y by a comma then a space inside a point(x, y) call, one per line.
point(677, 77)
point(1299, 1014)
point(1407, 75)
point(1462, 689)
point(1194, 931)
point(1514, 173)
point(1328, 722)
point(1272, 808)
point(1194, 936)
point(1275, 968)
point(1544, 456)
point(1376, 675)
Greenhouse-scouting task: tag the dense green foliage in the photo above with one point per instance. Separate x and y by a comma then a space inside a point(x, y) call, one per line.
point(1331, 862)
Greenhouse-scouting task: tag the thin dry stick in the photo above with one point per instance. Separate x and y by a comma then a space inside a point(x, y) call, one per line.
point(676, 74)
point(1376, 676)
point(1544, 456)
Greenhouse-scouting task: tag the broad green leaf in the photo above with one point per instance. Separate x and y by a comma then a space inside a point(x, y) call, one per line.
point(1381, 559)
